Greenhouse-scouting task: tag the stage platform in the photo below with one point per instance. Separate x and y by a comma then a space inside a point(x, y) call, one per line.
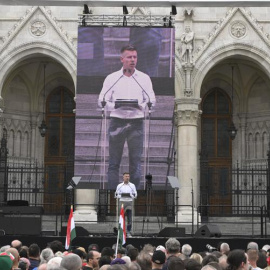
point(198, 243)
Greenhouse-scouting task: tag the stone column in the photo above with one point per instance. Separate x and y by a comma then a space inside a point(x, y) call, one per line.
point(85, 201)
point(187, 147)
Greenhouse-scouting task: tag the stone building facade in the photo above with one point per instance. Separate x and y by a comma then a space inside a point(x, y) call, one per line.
point(213, 44)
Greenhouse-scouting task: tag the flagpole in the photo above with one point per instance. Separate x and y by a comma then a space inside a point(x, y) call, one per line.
point(117, 242)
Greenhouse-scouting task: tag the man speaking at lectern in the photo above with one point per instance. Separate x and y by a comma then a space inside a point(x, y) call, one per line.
point(126, 192)
point(126, 94)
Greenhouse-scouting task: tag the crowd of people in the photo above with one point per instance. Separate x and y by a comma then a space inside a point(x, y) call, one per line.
point(172, 256)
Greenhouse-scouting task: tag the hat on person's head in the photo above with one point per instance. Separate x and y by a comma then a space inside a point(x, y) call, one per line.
point(162, 248)
point(266, 248)
point(159, 257)
point(93, 247)
point(5, 261)
point(117, 261)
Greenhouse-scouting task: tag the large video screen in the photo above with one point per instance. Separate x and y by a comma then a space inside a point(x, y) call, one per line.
point(124, 106)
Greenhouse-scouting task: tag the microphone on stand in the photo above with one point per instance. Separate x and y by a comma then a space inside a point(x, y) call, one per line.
point(149, 103)
point(103, 102)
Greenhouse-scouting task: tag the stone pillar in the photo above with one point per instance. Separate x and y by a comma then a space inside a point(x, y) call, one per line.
point(85, 201)
point(187, 147)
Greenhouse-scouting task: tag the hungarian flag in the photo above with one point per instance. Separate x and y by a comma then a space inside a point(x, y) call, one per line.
point(122, 227)
point(71, 232)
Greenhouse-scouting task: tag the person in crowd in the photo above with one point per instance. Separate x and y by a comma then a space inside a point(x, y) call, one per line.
point(175, 263)
point(16, 244)
point(172, 249)
point(197, 257)
point(224, 248)
point(45, 255)
point(92, 260)
point(71, 262)
point(158, 259)
point(144, 260)
point(253, 256)
point(133, 253)
point(192, 264)
point(237, 260)
point(34, 256)
point(56, 246)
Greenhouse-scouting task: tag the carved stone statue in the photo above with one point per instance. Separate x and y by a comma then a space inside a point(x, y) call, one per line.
point(187, 45)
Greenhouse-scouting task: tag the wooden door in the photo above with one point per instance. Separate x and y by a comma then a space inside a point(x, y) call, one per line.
point(216, 120)
point(59, 147)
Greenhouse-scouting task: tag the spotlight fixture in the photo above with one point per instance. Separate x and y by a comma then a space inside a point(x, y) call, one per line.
point(85, 9)
point(125, 10)
point(174, 10)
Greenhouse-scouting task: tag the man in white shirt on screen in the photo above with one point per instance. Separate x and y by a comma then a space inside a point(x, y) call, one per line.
point(126, 94)
point(126, 192)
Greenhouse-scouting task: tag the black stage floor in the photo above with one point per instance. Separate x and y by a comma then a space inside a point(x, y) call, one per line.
point(198, 243)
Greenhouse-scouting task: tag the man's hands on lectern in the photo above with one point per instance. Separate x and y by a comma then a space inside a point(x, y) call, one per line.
point(132, 195)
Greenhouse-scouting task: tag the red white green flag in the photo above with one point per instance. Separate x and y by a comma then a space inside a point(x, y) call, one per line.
point(122, 227)
point(71, 232)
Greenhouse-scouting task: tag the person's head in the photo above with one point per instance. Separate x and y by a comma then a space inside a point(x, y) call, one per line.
point(223, 261)
point(148, 248)
point(262, 260)
point(192, 264)
point(92, 258)
point(197, 257)
point(176, 263)
point(209, 258)
point(186, 250)
point(43, 266)
point(56, 246)
point(253, 256)
point(34, 251)
point(225, 248)
point(104, 260)
point(158, 259)
point(252, 245)
point(45, 255)
point(132, 253)
point(128, 58)
point(15, 253)
point(16, 244)
point(144, 260)
point(93, 247)
point(107, 251)
point(24, 264)
point(172, 246)
point(134, 266)
point(80, 253)
point(24, 252)
point(126, 177)
point(71, 262)
point(54, 263)
point(237, 259)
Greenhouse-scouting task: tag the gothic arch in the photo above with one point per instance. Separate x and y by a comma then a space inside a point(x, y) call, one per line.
point(209, 60)
point(31, 49)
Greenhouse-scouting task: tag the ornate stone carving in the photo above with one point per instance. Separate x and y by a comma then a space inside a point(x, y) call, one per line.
point(38, 28)
point(238, 29)
point(188, 117)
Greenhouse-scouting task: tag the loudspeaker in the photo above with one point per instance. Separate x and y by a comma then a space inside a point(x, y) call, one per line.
point(21, 225)
point(172, 232)
point(80, 231)
point(208, 230)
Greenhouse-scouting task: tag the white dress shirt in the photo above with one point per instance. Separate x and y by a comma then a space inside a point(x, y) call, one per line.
point(119, 86)
point(126, 188)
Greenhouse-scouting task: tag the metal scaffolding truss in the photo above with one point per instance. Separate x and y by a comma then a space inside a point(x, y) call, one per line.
point(126, 20)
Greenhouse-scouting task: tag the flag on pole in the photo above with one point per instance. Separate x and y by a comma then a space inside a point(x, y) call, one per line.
point(71, 232)
point(122, 227)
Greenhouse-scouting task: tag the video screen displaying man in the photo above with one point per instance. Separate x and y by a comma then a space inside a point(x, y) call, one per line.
point(127, 92)
point(124, 105)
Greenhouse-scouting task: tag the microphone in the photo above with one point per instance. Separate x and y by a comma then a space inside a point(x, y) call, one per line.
point(103, 102)
point(149, 103)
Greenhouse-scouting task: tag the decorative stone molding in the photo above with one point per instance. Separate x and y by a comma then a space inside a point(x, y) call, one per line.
point(69, 41)
point(238, 29)
point(38, 28)
point(188, 117)
point(223, 22)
